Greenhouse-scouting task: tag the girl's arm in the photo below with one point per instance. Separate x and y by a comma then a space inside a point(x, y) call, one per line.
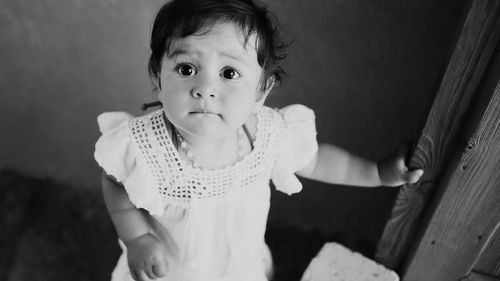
point(145, 253)
point(334, 165)
point(129, 221)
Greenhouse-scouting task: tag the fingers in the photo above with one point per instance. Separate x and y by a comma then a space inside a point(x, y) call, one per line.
point(139, 275)
point(142, 276)
point(159, 269)
point(402, 155)
point(149, 272)
point(146, 258)
point(155, 271)
point(134, 276)
point(413, 176)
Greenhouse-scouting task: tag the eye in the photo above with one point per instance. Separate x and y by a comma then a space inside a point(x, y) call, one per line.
point(186, 69)
point(230, 73)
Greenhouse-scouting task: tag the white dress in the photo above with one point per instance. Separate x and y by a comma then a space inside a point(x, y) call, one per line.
point(211, 221)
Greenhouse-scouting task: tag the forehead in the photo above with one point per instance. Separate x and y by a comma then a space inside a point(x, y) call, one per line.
point(223, 38)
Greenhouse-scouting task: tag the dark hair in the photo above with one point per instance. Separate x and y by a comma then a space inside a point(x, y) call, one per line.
point(181, 18)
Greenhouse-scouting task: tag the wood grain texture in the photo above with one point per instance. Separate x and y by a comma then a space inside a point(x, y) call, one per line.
point(465, 69)
point(469, 210)
point(489, 259)
point(476, 276)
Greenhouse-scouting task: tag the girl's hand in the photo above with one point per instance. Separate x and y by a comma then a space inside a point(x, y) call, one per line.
point(146, 257)
point(394, 172)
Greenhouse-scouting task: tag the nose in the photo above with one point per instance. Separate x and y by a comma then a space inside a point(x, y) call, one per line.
point(205, 89)
point(202, 94)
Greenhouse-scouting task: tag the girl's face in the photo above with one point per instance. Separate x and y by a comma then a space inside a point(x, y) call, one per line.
point(210, 82)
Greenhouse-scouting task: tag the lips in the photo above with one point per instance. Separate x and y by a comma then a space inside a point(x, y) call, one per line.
point(204, 111)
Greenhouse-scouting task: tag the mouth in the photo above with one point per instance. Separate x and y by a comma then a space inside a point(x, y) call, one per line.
point(204, 112)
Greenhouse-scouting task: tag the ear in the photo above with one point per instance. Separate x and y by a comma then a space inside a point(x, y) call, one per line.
point(259, 102)
point(157, 82)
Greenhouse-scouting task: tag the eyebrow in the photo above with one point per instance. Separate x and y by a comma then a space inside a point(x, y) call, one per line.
point(234, 57)
point(176, 52)
point(183, 51)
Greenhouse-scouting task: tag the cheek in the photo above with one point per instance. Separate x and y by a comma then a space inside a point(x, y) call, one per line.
point(172, 101)
point(171, 89)
point(241, 107)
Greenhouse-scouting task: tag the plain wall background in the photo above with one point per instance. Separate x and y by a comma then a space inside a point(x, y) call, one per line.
point(369, 69)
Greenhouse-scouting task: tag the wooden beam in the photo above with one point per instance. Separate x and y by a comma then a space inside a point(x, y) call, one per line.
point(474, 276)
point(489, 260)
point(467, 215)
point(465, 69)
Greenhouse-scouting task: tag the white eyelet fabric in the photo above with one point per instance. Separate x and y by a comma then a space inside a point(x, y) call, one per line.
point(211, 221)
point(180, 183)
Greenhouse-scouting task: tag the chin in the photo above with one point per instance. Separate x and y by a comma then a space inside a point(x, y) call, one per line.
point(207, 131)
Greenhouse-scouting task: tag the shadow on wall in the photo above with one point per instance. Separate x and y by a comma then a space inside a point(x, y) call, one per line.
point(55, 231)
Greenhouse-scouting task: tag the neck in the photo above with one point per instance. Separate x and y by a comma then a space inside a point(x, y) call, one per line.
point(201, 143)
point(210, 153)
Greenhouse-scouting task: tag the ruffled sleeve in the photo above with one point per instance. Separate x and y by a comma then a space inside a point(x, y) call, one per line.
point(120, 157)
point(297, 148)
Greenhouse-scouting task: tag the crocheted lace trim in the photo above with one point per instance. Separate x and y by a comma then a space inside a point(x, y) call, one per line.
point(181, 183)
